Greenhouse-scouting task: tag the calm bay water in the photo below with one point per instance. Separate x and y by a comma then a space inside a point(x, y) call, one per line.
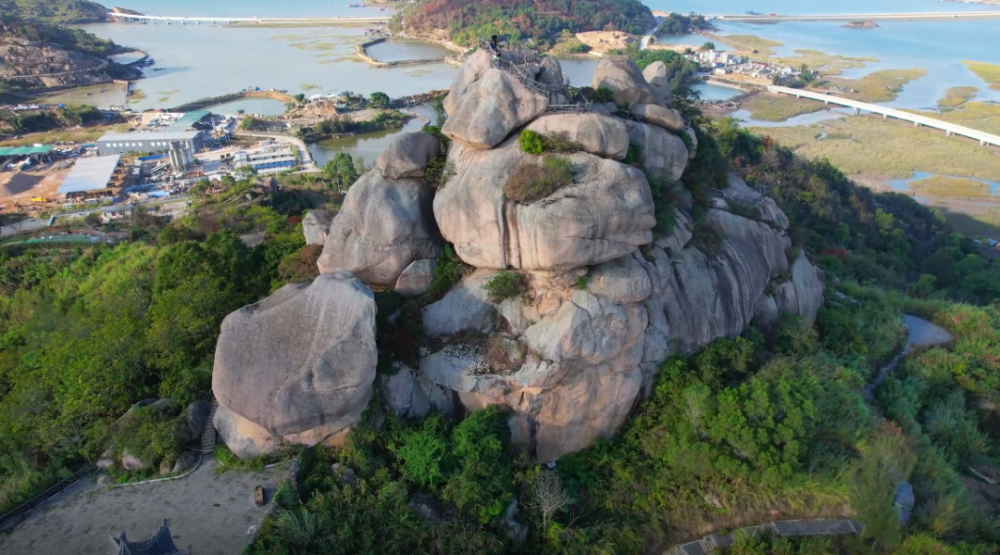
point(195, 61)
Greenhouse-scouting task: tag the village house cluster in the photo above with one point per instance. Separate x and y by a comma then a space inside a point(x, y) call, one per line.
point(726, 63)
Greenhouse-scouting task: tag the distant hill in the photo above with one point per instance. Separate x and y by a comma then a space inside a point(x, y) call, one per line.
point(465, 22)
point(54, 11)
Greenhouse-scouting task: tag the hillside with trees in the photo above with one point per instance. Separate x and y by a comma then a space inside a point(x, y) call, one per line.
point(541, 21)
point(55, 11)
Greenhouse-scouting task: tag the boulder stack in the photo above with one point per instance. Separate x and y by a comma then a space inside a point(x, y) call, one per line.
point(604, 302)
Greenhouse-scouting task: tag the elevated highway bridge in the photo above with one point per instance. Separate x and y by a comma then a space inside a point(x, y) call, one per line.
point(918, 120)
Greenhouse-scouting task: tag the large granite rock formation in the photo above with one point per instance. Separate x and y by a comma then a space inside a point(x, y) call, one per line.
point(298, 365)
point(606, 213)
point(491, 108)
point(620, 75)
point(316, 226)
point(597, 134)
point(605, 303)
point(383, 226)
point(408, 155)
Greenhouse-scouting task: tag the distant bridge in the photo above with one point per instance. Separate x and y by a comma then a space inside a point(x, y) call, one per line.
point(918, 121)
point(134, 18)
point(857, 16)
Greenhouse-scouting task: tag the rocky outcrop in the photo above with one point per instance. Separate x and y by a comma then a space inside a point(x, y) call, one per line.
point(39, 65)
point(298, 365)
point(604, 302)
point(408, 155)
point(383, 226)
point(417, 278)
point(316, 226)
point(622, 77)
point(667, 118)
point(604, 214)
point(597, 134)
point(661, 153)
point(491, 108)
point(196, 416)
point(656, 75)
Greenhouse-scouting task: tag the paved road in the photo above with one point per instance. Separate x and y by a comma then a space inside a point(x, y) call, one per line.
point(210, 513)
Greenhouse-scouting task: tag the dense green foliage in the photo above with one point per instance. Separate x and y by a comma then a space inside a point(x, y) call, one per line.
point(505, 285)
point(535, 143)
point(341, 171)
point(86, 332)
point(540, 22)
point(46, 120)
point(379, 100)
point(885, 239)
point(388, 119)
point(677, 24)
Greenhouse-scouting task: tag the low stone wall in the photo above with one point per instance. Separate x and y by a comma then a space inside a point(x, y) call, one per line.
point(788, 528)
point(362, 50)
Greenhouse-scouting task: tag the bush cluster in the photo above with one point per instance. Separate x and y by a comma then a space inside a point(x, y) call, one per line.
point(505, 285)
point(531, 181)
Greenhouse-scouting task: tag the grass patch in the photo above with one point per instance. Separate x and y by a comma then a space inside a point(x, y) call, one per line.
point(86, 135)
point(956, 96)
point(827, 64)
point(987, 72)
point(532, 181)
point(751, 43)
point(977, 115)
point(309, 87)
point(137, 94)
point(942, 186)
point(880, 86)
point(770, 107)
point(505, 285)
point(887, 149)
point(569, 45)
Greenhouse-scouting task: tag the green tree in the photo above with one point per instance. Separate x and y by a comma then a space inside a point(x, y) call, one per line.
point(379, 100)
point(341, 170)
point(300, 98)
point(709, 45)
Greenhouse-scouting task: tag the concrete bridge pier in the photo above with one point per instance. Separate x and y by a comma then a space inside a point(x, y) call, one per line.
point(916, 124)
point(826, 102)
point(982, 142)
point(857, 111)
point(947, 133)
point(885, 116)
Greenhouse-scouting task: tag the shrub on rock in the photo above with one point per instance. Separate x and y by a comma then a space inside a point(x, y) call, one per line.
point(531, 182)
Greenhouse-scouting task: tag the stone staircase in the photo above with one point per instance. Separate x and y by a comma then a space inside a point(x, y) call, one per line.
point(208, 432)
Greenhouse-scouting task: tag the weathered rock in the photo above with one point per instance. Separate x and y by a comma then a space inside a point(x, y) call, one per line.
point(606, 213)
point(413, 396)
point(693, 136)
point(667, 118)
point(465, 308)
point(383, 226)
point(516, 532)
point(186, 461)
point(623, 78)
point(682, 233)
point(244, 438)
point(416, 278)
point(765, 209)
point(597, 134)
point(104, 480)
point(300, 364)
point(196, 415)
point(408, 155)
point(105, 463)
point(623, 280)
point(662, 154)
point(550, 72)
point(316, 226)
point(475, 66)
point(654, 70)
point(801, 295)
point(132, 462)
point(699, 298)
point(491, 108)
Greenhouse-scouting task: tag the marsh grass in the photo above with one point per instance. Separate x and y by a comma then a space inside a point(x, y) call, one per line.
point(987, 72)
point(943, 186)
point(768, 107)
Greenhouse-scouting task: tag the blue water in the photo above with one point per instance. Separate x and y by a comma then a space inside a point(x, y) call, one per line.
point(250, 8)
point(903, 185)
point(709, 92)
point(794, 7)
point(804, 119)
point(897, 45)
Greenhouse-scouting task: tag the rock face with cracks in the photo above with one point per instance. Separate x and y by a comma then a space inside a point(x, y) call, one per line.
point(604, 302)
point(297, 366)
point(383, 226)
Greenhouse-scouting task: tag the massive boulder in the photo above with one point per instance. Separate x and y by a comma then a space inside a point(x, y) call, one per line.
point(298, 365)
point(661, 153)
point(657, 75)
point(316, 226)
point(667, 118)
point(475, 66)
point(491, 108)
point(605, 213)
point(620, 75)
point(417, 278)
point(550, 72)
point(383, 226)
point(597, 134)
point(408, 155)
